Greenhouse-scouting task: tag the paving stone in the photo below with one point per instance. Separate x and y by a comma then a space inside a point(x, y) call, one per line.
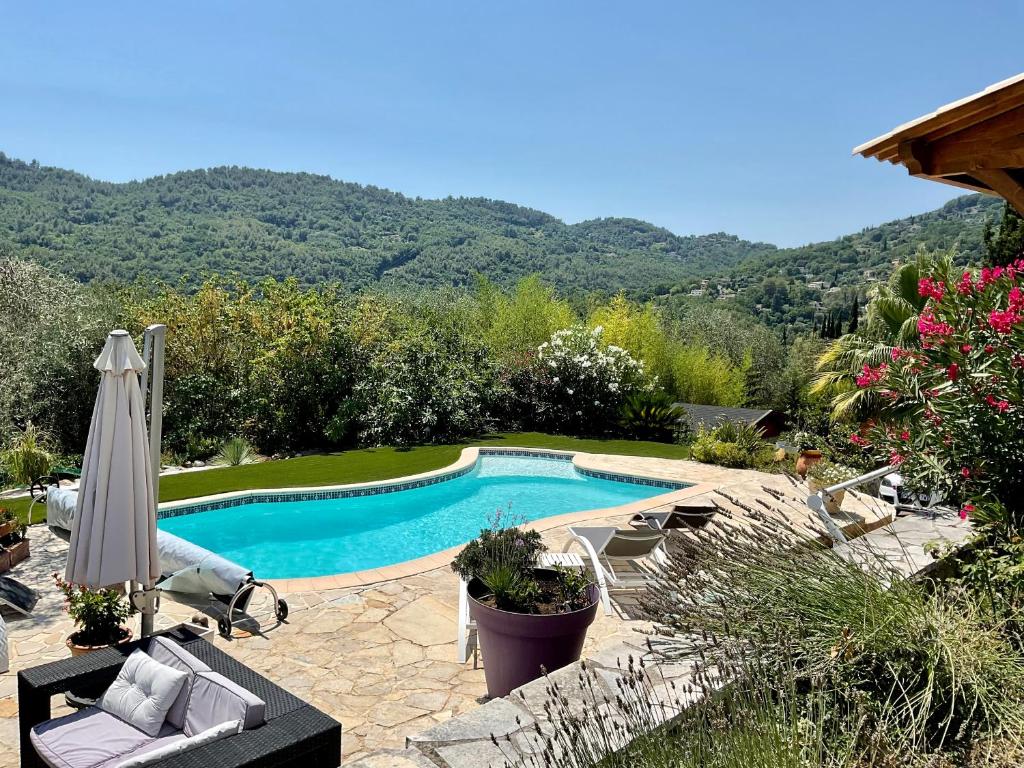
point(534, 695)
point(498, 718)
point(423, 622)
point(431, 701)
point(393, 758)
point(392, 713)
point(477, 754)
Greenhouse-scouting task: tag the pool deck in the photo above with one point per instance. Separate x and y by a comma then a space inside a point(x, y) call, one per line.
point(379, 654)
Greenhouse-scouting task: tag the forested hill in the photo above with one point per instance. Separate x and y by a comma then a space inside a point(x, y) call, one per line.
point(958, 224)
point(252, 223)
point(257, 223)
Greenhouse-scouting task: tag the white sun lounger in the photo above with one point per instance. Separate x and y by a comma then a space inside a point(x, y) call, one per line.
point(607, 546)
point(185, 567)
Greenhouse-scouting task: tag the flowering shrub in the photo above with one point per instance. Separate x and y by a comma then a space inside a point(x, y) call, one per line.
point(954, 407)
point(582, 382)
point(98, 613)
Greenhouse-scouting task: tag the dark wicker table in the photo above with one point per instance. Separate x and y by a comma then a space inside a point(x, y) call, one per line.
point(295, 734)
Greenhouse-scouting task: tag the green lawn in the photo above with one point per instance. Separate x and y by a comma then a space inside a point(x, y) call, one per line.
point(364, 465)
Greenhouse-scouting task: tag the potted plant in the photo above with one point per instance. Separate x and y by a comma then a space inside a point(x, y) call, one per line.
point(529, 620)
point(809, 447)
point(99, 615)
point(13, 545)
point(824, 474)
point(8, 522)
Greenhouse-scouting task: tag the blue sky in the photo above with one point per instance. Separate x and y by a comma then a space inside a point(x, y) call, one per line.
point(700, 117)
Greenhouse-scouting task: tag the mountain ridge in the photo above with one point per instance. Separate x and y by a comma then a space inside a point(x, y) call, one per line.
point(256, 223)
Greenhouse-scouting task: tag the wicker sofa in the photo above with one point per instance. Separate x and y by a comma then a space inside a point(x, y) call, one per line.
point(294, 734)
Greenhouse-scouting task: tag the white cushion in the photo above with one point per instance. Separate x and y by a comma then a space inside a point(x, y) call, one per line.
point(174, 656)
point(216, 699)
point(143, 692)
point(90, 737)
point(217, 732)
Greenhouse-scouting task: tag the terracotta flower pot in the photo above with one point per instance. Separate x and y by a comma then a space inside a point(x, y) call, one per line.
point(81, 650)
point(517, 645)
point(7, 528)
point(833, 501)
point(806, 460)
point(13, 555)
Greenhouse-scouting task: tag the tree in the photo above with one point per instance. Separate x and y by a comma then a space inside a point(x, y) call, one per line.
point(892, 314)
point(953, 405)
point(1004, 245)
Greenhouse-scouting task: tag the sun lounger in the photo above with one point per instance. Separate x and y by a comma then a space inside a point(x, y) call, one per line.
point(681, 517)
point(185, 567)
point(15, 595)
point(608, 547)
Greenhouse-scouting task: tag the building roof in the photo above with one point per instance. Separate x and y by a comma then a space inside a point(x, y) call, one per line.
point(713, 415)
point(976, 143)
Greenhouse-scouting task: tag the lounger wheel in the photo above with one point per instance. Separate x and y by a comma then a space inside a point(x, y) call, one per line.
point(224, 625)
point(37, 490)
point(282, 610)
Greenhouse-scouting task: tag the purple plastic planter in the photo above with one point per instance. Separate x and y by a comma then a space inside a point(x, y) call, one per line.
point(516, 645)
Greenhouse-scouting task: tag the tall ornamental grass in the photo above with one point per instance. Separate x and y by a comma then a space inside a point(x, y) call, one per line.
point(27, 456)
point(936, 670)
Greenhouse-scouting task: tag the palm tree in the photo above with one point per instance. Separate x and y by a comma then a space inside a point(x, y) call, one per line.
point(892, 314)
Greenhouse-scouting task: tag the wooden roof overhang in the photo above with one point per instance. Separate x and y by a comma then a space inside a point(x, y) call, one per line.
point(976, 143)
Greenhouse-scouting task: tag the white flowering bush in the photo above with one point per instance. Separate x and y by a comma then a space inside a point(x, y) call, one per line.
point(581, 382)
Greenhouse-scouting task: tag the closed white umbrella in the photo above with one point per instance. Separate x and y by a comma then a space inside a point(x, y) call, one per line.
point(113, 538)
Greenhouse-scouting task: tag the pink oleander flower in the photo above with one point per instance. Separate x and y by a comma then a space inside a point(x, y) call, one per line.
point(965, 472)
point(953, 371)
point(966, 510)
point(1002, 321)
point(928, 326)
point(989, 275)
point(965, 348)
point(1016, 298)
point(896, 458)
point(870, 376)
point(926, 286)
point(858, 440)
point(966, 284)
point(904, 435)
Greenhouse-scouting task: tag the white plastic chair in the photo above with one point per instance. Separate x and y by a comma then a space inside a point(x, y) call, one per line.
point(607, 546)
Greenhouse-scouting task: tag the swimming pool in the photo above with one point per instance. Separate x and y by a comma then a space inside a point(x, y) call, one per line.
point(371, 528)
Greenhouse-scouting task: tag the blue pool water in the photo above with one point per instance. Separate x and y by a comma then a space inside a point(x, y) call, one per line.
point(289, 539)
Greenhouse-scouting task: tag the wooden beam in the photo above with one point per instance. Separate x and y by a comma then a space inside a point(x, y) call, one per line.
point(942, 166)
point(1003, 184)
point(914, 155)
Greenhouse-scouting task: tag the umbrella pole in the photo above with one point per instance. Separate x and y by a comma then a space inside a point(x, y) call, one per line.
point(157, 334)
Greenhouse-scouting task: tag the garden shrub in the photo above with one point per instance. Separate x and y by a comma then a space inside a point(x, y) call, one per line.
point(422, 376)
point(953, 415)
point(235, 452)
point(640, 330)
point(732, 444)
point(581, 382)
point(651, 415)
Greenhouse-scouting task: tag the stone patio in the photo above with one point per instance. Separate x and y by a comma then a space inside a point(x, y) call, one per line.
point(381, 657)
